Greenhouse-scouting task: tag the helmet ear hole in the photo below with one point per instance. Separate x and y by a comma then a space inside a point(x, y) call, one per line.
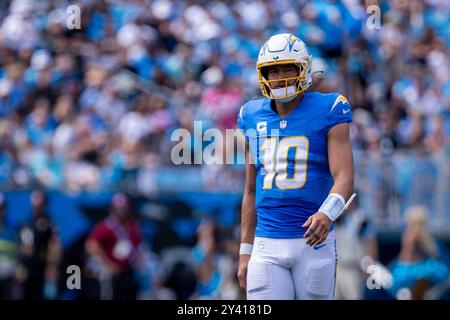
point(300, 68)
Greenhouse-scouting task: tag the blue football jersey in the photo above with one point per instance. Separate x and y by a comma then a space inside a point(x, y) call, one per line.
point(291, 158)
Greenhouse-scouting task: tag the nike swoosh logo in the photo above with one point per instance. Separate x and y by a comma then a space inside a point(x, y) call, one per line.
point(319, 246)
point(345, 111)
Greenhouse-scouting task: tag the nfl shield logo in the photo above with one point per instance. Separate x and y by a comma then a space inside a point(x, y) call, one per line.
point(283, 124)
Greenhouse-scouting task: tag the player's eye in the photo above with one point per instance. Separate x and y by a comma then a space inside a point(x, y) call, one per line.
point(294, 70)
point(289, 70)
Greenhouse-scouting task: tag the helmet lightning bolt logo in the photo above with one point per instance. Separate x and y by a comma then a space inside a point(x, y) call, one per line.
point(291, 42)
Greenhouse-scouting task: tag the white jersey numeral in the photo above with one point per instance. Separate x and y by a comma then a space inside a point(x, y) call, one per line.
point(279, 154)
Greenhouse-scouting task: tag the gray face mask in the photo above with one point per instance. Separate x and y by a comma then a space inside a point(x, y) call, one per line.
point(282, 92)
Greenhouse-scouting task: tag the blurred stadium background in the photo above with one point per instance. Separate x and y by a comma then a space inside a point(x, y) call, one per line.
point(87, 113)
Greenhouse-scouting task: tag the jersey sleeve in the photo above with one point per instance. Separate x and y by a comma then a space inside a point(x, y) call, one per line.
point(339, 111)
point(241, 122)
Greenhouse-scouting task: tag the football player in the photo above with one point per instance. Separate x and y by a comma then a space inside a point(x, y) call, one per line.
point(299, 174)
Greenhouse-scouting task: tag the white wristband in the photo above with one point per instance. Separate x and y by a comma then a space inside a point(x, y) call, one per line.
point(333, 206)
point(246, 248)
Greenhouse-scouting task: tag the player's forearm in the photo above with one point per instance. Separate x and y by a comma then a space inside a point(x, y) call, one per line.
point(248, 217)
point(340, 157)
point(343, 185)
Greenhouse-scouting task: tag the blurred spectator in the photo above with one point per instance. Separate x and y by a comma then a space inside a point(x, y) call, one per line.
point(40, 251)
point(206, 256)
point(151, 279)
point(9, 257)
point(214, 266)
point(136, 124)
point(418, 266)
point(114, 244)
point(355, 240)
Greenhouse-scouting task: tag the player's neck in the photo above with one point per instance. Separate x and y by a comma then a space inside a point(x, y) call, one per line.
point(285, 108)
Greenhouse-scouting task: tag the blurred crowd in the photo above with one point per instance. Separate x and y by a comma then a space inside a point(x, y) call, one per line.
point(418, 268)
point(93, 108)
point(115, 259)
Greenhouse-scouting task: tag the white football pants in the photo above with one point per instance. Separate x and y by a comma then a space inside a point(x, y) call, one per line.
point(288, 269)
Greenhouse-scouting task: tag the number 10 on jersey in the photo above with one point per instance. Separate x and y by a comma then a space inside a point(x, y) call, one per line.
point(275, 161)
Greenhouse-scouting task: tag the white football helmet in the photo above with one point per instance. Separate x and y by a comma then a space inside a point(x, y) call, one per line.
point(281, 49)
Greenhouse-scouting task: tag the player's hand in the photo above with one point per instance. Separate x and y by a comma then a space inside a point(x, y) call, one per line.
point(319, 227)
point(242, 270)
